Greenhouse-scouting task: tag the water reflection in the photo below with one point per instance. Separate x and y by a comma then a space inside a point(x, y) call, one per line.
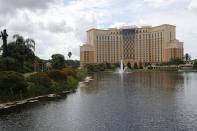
point(131, 101)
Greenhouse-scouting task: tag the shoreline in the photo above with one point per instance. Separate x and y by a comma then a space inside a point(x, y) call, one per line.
point(36, 98)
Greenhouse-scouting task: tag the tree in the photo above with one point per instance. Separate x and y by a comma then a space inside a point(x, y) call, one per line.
point(176, 61)
point(72, 63)
point(8, 64)
point(195, 64)
point(129, 65)
point(135, 66)
point(21, 50)
point(21, 53)
point(187, 57)
point(58, 61)
point(29, 43)
point(4, 37)
point(69, 54)
point(90, 68)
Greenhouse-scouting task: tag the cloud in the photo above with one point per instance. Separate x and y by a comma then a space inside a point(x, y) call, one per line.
point(193, 5)
point(11, 6)
point(162, 3)
point(59, 26)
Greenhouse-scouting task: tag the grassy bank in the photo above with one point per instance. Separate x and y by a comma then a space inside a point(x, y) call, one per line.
point(37, 84)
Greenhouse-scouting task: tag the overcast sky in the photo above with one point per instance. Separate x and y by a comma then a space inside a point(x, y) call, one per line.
point(59, 26)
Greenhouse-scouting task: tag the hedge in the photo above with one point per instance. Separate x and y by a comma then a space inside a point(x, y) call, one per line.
point(12, 82)
point(57, 75)
point(41, 79)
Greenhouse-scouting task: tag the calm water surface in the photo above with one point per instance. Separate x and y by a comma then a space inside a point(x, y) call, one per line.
point(149, 101)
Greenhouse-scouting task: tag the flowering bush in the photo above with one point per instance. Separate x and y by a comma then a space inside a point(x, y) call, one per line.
point(41, 79)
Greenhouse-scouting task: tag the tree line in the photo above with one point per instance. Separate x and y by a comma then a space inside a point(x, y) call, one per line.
point(19, 55)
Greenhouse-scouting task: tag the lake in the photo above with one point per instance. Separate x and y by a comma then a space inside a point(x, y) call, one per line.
point(140, 101)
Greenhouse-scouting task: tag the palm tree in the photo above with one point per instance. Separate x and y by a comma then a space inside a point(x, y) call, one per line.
point(29, 43)
point(187, 57)
point(69, 54)
point(4, 36)
point(22, 49)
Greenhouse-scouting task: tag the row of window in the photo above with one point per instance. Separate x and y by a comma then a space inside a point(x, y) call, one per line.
point(127, 46)
point(100, 45)
point(145, 36)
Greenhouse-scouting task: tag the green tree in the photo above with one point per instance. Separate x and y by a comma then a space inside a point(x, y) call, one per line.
point(72, 63)
point(58, 61)
point(22, 51)
point(4, 37)
point(135, 66)
point(195, 64)
point(9, 64)
point(187, 57)
point(129, 65)
point(90, 68)
point(176, 61)
point(69, 54)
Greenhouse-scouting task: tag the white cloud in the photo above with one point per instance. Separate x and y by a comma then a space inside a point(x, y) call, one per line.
point(59, 28)
point(162, 3)
point(118, 25)
point(193, 5)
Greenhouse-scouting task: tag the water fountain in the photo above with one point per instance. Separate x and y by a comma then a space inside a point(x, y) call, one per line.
point(121, 69)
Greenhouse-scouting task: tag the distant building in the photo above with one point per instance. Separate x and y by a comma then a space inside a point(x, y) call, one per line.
point(132, 44)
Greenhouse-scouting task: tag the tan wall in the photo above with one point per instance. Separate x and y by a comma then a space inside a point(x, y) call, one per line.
point(172, 53)
point(86, 57)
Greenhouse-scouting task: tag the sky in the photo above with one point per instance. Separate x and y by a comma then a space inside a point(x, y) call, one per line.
point(59, 26)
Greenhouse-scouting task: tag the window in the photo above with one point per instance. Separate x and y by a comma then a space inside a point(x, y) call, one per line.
point(97, 47)
point(170, 36)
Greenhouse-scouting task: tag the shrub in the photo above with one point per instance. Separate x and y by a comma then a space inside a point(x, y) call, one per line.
point(9, 64)
point(81, 74)
point(12, 82)
point(135, 66)
point(57, 75)
point(57, 87)
point(90, 68)
point(41, 79)
point(71, 83)
point(69, 72)
point(35, 89)
point(195, 64)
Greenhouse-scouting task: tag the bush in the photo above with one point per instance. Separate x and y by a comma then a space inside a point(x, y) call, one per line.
point(57, 75)
point(195, 64)
point(35, 89)
point(81, 74)
point(9, 64)
point(90, 68)
point(41, 79)
point(69, 72)
point(12, 82)
point(57, 87)
point(135, 66)
point(71, 83)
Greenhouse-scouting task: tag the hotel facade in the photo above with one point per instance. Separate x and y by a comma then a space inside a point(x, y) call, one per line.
point(131, 44)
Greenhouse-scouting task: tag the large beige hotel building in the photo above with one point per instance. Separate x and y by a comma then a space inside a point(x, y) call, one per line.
point(132, 44)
